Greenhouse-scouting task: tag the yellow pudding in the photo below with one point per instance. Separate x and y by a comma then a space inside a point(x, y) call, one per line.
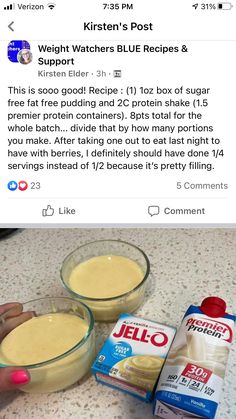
point(109, 276)
point(141, 370)
point(43, 338)
point(105, 276)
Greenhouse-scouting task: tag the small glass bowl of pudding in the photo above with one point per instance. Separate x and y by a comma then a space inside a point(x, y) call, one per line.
point(109, 276)
point(56, 345)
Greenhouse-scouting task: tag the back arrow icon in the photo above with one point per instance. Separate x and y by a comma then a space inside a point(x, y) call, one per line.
point(10, 26)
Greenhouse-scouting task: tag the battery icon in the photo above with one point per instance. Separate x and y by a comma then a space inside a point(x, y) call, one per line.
point(225, 6)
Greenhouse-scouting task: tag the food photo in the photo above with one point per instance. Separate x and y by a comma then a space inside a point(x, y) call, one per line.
point(118, 323)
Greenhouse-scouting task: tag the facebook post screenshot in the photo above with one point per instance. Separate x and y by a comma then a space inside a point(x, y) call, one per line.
point(118, 113)
point(118, 209)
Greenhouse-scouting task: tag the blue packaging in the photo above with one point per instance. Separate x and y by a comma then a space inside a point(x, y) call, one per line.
point(132, 357)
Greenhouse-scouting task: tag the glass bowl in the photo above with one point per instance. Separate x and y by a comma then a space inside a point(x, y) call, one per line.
point(65, 369)
point(109, 308)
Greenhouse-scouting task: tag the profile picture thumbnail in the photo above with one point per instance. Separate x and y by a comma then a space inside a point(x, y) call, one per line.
point(18, 51)
point(24, 56)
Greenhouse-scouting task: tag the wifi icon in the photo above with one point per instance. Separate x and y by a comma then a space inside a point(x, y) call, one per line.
point(51, 5)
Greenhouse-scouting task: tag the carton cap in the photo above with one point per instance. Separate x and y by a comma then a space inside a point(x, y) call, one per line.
point(213, 307)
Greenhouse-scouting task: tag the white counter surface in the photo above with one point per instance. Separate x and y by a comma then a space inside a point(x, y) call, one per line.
point(186, 266)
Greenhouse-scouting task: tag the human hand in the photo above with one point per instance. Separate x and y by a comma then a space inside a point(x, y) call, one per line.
point(11, 316)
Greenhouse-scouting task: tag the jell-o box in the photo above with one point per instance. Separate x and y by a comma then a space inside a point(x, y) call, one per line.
point(132, 357)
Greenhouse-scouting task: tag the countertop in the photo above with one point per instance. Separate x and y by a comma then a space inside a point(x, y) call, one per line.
point(186, 266)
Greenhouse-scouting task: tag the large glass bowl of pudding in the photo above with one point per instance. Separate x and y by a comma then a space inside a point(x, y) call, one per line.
point(109, 276)
point(56, 345)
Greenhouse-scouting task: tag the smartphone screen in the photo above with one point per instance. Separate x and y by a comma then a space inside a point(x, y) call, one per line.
point(120, 116)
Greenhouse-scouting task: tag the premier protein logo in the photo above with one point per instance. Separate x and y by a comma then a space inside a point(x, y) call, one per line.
point(210, 327)
point(141, 335)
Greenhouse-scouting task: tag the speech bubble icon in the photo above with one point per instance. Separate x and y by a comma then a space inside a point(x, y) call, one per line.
point(153, 210)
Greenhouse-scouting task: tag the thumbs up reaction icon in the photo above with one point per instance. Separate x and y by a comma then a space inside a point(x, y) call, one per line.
point(48, 212)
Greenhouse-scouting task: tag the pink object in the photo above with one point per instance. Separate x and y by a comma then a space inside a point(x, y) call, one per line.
point(20, 377)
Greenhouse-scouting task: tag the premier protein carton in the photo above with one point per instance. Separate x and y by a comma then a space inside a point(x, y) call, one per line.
point(191, 380)
point(132, 357)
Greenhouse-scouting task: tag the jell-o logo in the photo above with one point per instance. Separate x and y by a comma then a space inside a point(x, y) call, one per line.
point(141, 335)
